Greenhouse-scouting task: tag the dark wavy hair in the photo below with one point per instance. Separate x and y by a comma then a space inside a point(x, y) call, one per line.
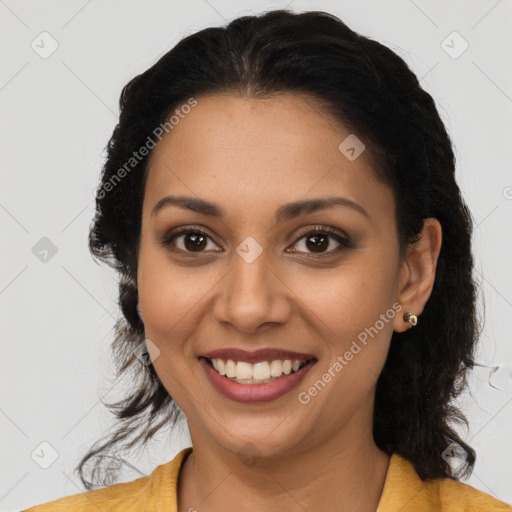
point(372, 91)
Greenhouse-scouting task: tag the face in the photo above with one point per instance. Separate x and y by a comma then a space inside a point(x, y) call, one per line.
point(243, 272)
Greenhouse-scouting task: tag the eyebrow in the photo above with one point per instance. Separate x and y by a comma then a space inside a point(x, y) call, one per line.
point(287, 211)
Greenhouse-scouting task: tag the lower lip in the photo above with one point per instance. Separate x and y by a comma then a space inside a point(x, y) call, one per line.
point(252, 393)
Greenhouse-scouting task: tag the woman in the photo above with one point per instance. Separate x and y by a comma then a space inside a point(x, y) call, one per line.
point(280, 202)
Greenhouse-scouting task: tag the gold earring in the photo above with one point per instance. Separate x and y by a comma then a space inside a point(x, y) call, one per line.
point(412, 319)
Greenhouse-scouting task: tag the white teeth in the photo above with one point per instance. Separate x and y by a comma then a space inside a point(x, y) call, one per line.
point(276, 368)
point(230, 368)
point(243, 370)
point(261, 371)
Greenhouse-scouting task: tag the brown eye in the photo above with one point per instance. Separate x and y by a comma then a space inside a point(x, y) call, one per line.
point(194, 241)
point(318, 241)
point(186, 241)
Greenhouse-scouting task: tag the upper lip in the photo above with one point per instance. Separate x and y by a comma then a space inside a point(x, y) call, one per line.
point(264, 354)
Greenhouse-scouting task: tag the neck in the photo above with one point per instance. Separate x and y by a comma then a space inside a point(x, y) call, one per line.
point(345, 473)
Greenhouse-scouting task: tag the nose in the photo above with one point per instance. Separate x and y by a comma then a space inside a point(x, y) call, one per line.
point(252, 295)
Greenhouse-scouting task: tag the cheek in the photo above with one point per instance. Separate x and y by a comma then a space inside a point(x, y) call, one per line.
point(355, 320)
point(354, 312)
point(349, 299)
point(171, 295)
point(167, 295)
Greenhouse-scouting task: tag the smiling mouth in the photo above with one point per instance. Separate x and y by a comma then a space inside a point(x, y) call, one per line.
point(262, 372)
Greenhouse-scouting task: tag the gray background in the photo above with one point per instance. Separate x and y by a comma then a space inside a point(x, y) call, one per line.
point(57, 114)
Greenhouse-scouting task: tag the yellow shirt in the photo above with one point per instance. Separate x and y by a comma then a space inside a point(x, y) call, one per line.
point(403, 492)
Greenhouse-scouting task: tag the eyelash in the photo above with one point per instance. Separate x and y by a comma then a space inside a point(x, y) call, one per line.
point(344, 241)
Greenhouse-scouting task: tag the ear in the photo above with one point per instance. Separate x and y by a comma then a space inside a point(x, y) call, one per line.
point(418, 272)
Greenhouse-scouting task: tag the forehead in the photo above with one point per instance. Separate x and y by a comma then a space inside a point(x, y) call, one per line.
point(246, 152)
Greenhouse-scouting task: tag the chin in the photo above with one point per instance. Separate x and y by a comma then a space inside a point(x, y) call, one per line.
point(271, 438)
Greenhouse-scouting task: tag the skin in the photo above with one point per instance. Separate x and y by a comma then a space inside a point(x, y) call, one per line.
point(250, 156)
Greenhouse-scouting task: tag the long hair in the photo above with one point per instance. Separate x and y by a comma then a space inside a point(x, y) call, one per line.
point(371, 90)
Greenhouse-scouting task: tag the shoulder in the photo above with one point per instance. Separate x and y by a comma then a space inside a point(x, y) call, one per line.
point(106, 499)
point(152, 490)
point(457, 496)
point(405, 491)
